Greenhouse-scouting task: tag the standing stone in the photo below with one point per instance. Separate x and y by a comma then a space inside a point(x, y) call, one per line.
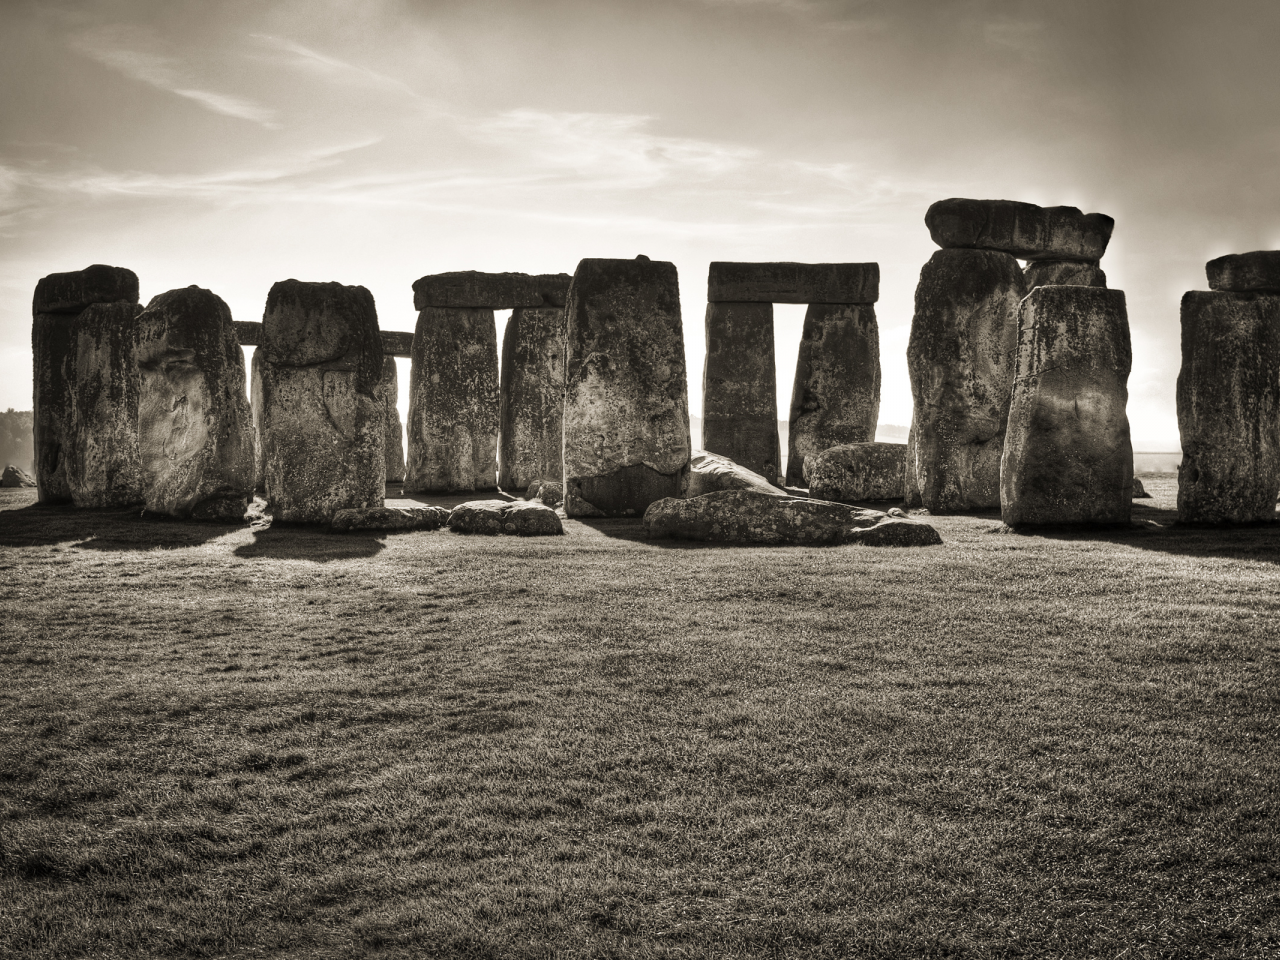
point(58, 298)
point(961, 360)
point(1023, 230)
point(255, 405)
point(104, 464)
point(532, 397)
point(1067, 457)
point(389, 386)
point(453, 401)
point(323, 421)
point(1229, 407)
point(626, 411)
point(739, 387)
point(836, 397)
point(1071, 273)
point(194, 429)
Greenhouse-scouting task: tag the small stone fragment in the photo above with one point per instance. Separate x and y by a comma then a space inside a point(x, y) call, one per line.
point(1022, 230)
point(1255, 272)
point(493, 291)
point(532, 397)
point(709, 472)
point(389, 518)
point(1070, 273)
point(857, 471)
point(739, 387)
point(515, 517)
point(838, 283)
point(16, 477)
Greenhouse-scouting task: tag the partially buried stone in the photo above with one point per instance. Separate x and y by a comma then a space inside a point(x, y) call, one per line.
point(516, 517)
point(626, 409)
point(1229, 407)
point(1071, 273)
point(739, 387)
point(836, 395)
point(16, 477)
point(745, 516)
point(531, 397)
point(390, 389)
point(389, 518)
point(960, 356)
point(730, 282)
point(1067, 455)
point(194, 429)
point(1023, 230)
point(857, 471)
point(709, 472)
point(494, 291)
point(1256, 272)
point(550, 492)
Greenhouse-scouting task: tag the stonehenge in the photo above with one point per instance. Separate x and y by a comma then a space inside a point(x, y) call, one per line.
point(531, 396)
point(626, 407)
point(1067, 456)
point(322, 421)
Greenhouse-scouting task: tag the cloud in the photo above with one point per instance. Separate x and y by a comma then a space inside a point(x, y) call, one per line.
point(331, 67)
point(115, 48)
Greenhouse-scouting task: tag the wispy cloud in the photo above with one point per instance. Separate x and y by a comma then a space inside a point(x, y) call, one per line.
point(314, 61)
point(123, 51)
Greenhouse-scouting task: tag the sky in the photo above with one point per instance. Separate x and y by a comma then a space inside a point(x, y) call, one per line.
point(234, 143)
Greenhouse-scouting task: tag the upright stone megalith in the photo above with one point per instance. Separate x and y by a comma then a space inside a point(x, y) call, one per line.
point(739, 387)
point(322, 421)
point(389, 387)
point(1067, 455)
point(58, 299)
point(1229, 407)
point(960, 357)
point(626, 409)
point(255, 406)
point(194, 430)
point(532, 397)
point(104, 463)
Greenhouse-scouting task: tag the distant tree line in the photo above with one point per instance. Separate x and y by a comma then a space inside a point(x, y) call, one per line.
point(17, 442)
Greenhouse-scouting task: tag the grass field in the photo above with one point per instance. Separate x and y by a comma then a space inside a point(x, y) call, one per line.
point(223, 741)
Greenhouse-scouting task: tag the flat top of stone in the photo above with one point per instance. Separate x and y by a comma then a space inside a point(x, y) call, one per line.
point(1255, 272)
point(186, 318)
point(72, 292)
point(786, 282)
point(496, 291)
point(1024, 230)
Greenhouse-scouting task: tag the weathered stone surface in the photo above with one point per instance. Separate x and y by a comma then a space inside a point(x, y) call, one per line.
point(104, 466)
point(709, 472)
point(397, 343)
point(58, 298)
point(531, 397)
point(72, 292)
point(857, 471)
point(1023, 230)
point(1255, 272)
point(549, 492)
point(494, 291)
point(453, 402)
point(248, 332)
point(626, 411)
point(961, 358)
point(255, 407)
point(389, 518)
point(1070, 273)
point(838, 283)
point(1139, 491)
point(16, 477)
point(911, 479)
point(322, 422)
point(836, 397)
point(739, 387)
point(518, 517)
point(1067, 455)
point(389, 388)
point(195, 435)
point(746, 516)
point(1229, 407)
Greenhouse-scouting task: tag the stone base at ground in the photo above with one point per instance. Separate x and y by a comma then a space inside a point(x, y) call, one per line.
point(622, 493)
point(858, 471)
point(16, 477)
point(516, 517)
point(389, 518)
point(709, 472)
point(745, 516)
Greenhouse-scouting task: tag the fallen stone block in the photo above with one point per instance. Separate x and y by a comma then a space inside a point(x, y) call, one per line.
point(1256, 272)
point(739, 387)
point(837, 283)
point(1070, 273)
point(1022, 230)
point(516, 517)
point(531, 398)
point(550, 492)
point(16, 477)
point(709, 472)
point(494, 291)
point(394, 519)
point(746, 516)
point(858, 471)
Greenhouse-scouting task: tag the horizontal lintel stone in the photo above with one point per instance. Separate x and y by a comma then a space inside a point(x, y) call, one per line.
point(496, 291)
point(1255, 272)
point(395, 343)
point(738, 282)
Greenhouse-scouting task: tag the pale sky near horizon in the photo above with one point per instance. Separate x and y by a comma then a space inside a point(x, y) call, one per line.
point(233, 143)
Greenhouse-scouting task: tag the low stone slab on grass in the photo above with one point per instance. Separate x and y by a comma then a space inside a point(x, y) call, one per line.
point(857, 471)
point(709, 472)
point(745, 516)
point(352, 519)
point(1139, 491)
point(16, 477)
point(518, 517)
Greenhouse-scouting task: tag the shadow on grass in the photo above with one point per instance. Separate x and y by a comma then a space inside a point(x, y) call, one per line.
point(38, 525)
point(287, 542)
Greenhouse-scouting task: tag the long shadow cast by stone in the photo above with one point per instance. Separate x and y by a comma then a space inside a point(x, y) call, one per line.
point(288, 542)
point(39, 525)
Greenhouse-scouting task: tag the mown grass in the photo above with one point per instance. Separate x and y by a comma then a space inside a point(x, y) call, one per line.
point(236, 742)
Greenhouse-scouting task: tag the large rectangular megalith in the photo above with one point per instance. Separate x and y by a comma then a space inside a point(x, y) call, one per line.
point(1067, 454)
point(389, 386)
point(532, 398)
point(739, 387)
point(194, 428)
point(58, 299)
point(322, 419)
point(626, 409)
